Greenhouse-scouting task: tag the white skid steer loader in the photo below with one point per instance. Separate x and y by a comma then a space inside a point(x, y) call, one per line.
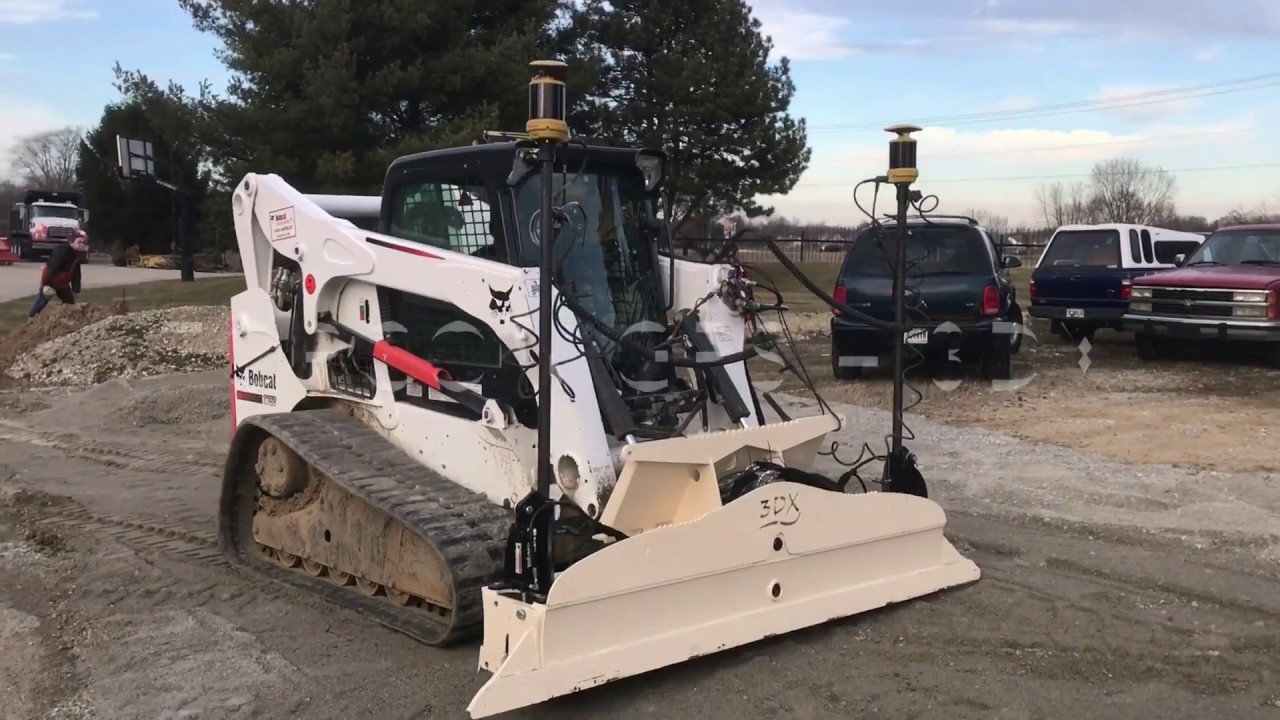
point(459, 429)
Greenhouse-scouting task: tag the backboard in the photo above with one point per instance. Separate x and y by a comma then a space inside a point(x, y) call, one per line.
point(136, 158)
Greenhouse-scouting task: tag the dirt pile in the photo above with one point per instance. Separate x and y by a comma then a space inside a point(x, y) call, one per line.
point(56, 321)
point(180, 405)
point(141, 344)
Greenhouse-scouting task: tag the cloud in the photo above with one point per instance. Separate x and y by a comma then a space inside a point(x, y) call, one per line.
point(1255, 18)
point(998, 170)
point(1007, 146)
point(22, 118)
point(1208, 53)
point(1032, 149)
point(952, 24)
point(28, 12)
point(805, 36)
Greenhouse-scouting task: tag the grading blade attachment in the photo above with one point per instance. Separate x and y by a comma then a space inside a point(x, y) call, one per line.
point(780, 558)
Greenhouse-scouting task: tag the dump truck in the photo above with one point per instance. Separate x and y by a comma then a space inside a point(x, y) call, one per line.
point(44, 220)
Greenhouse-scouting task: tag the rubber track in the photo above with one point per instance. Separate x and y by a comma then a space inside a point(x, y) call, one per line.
point(466, 528)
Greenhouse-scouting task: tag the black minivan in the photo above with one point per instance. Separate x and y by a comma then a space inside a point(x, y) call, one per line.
point(955, 277)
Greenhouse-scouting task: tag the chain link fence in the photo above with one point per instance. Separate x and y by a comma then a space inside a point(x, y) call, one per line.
point(830, 245)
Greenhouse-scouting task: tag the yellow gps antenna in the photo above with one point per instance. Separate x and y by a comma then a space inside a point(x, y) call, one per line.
point(902, 155)
point(547, 102)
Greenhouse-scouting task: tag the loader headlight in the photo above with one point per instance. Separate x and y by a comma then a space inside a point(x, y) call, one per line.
point(651, 164)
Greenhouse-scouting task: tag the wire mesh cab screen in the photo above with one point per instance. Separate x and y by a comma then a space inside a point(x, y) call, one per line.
point(445, 215)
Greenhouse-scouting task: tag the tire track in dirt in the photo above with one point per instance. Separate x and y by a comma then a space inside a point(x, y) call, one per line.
point(116, 454)
point(169, 477)
point(191, 540)
point(214, 582)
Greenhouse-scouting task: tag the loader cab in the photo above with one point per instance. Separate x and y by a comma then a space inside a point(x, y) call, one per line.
point(480, 201)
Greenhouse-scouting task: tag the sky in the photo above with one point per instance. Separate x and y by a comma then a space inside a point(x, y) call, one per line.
point(1011, 94)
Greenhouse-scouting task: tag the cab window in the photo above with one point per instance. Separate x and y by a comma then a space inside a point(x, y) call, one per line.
point(1083, 249)
point(452, 216)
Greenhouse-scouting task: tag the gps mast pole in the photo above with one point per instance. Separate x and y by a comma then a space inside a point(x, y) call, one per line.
point(902, 173)
point(547, 127)
point(530, 562)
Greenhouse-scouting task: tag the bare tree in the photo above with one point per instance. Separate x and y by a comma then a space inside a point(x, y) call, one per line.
point(1127, 191)
point(48, 159)
point(1066, 204)
point(991, 221)
point(1263, 213)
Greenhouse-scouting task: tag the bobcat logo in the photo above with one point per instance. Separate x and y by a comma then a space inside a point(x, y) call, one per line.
point(500, 304)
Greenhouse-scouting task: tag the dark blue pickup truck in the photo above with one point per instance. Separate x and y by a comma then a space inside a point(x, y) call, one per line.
point(1085, 274)
point(968, 310)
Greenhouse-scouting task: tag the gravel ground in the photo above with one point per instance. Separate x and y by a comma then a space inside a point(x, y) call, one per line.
point(138, 344)
point(1113, 586)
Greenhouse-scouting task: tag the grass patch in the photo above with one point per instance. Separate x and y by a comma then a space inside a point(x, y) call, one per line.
point(155, 295)
point(795, 295)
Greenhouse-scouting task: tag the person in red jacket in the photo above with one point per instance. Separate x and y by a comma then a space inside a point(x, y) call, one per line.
point(61, 274)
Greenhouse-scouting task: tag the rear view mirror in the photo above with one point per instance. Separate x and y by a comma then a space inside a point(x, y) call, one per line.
point(1011, 261)
point(1179, 259)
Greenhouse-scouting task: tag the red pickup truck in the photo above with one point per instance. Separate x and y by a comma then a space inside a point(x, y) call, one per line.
point(1225, 291)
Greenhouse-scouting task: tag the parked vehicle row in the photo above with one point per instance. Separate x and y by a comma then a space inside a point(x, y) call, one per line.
point(1164, 286)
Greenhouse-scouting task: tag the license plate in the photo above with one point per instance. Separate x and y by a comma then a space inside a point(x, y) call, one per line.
point(1075, 313)
point(917, 337)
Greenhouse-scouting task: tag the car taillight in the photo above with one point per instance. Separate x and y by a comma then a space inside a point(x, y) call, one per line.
point(840, 296)
point(1031, 288)
point(1126, 289)
point(990, 300)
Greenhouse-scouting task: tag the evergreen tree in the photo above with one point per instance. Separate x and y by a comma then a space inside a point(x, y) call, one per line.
point(692, 77)
point(327, 92)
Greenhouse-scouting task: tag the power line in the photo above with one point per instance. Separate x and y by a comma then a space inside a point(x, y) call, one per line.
point(929, 181)
point(1114, 103)
point(1098, 103)
point(1073, 146)
point(1093, 101)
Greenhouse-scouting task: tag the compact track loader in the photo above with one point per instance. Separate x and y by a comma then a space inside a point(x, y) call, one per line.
point(506, 414)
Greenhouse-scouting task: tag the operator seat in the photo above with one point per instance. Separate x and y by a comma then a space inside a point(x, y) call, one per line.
point(496, 250)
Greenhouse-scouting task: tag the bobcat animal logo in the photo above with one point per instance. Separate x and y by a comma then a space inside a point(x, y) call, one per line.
point(500, 302)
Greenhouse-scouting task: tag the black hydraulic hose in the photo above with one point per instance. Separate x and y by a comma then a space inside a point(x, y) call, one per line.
point(822, 295)
point(648, 353)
